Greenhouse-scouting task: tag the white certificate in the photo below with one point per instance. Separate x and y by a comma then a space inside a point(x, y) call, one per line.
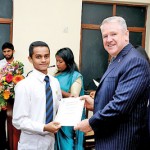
point(96, 83)
point(70, 111)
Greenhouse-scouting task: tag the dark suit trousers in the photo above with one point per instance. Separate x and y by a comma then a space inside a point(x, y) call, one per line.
point(2, 129)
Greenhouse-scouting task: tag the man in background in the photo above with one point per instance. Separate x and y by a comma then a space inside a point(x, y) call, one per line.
point(8, 51)
point(143, 52)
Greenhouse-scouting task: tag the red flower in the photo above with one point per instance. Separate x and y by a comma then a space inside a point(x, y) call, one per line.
point(10, 75)
point(9, 78)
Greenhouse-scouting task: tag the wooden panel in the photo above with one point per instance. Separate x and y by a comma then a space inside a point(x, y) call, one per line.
point(94, 14)
point(6, 8)
point(135, 38)
point(134, 16)
point(94, 58)
point(4, 35)
point(13, 133)
point(6, 22)
point(3, 20)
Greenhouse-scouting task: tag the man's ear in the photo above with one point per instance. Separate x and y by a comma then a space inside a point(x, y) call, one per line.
point(127, 36)
point(30, 59)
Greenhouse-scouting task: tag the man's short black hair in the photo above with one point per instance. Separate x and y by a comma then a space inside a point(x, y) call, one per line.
point(37, 44)
point(7, 45)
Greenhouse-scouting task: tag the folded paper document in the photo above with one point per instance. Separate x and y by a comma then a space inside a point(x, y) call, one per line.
point(70, 111)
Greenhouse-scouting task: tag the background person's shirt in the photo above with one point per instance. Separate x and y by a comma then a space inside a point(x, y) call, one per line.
point(3, 62)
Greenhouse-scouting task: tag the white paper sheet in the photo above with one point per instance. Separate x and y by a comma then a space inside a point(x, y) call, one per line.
point(96, 83)
point(70, 111)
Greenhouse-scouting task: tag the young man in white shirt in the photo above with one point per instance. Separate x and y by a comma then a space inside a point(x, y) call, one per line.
point(29, 112)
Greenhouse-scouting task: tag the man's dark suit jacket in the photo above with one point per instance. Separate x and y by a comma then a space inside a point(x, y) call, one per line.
point(120, 104)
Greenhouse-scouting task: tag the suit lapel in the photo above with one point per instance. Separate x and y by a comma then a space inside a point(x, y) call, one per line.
point(115, 63)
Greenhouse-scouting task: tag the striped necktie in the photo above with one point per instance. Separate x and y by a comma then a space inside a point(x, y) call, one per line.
point(49, 100)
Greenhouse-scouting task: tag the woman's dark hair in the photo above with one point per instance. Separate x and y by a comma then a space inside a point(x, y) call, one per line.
point(143, 52)
point(67, 55)
point(36, 44)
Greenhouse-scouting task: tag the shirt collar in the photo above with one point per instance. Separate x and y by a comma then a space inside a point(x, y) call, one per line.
point(39, 75)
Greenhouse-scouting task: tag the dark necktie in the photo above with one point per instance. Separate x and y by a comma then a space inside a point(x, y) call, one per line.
point(49, 101)
point(112, 59)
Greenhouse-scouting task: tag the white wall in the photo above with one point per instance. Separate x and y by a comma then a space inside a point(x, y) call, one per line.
point(56, 22)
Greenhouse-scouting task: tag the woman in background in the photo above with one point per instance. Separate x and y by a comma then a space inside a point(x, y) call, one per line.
point(143, 52)
point(71, 83)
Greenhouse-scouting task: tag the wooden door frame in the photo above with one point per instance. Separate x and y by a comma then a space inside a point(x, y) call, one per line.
point(10, 22)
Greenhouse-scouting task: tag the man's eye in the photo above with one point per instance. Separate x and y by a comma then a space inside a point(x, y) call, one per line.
point(105, 36)
point(38, 57)
point(113, 34)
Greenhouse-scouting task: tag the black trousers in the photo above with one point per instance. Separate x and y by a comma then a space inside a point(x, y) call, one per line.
point(2, 129)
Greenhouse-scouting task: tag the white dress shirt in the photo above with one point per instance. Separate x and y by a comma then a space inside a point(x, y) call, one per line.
point(3, 62)
point(29, 111)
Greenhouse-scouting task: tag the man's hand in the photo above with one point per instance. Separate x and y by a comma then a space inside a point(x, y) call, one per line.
point(52, 127)
point(83, 126)
point(89, 102)
point(92, 94)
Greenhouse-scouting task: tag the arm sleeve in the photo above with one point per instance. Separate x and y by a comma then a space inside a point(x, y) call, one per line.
point(21, 112)
point(76, 87)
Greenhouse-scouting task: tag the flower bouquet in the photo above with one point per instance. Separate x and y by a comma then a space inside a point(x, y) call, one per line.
point(10, 75)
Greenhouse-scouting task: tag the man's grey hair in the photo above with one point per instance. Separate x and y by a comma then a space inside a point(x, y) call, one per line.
point(117, 19)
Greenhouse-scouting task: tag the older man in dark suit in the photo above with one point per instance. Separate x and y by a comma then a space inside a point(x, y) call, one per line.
point(120, 103)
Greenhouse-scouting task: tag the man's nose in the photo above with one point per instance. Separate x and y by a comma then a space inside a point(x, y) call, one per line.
point(109, 38)
point(43, 59)
point(57, 63)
